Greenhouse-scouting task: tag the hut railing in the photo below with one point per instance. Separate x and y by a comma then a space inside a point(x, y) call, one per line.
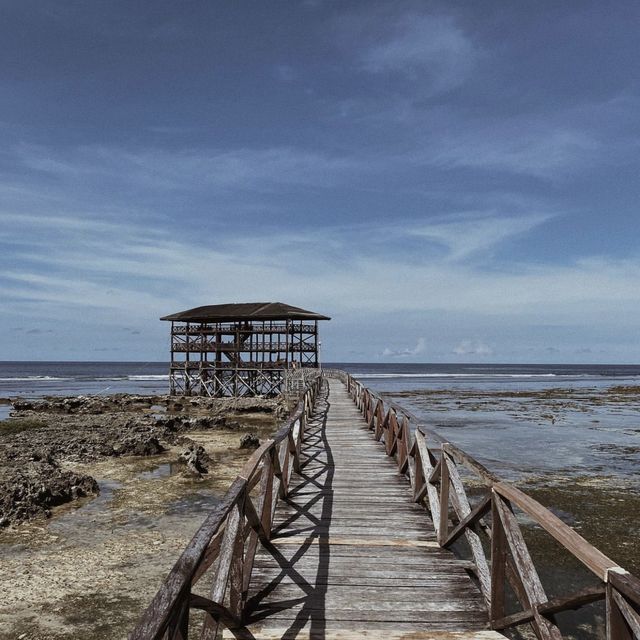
point(231, 329)
point(226, 543)
point(499, 554)
point(198, 345)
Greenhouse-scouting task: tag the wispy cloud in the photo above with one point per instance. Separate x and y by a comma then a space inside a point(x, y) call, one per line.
point(246, 168)
point(107, 265)
point(430, 46)
point(521, 147)
point(76, 271)
point(405, 353)
point(464, 236)
point(472, 348)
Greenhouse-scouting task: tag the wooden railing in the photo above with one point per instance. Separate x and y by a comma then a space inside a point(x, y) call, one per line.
point(336, 373)
point(232, 329)
point(199, 345)
point(225, 545)
point(490, 528)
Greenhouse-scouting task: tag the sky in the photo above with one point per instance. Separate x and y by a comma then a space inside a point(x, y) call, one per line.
point(449, 181)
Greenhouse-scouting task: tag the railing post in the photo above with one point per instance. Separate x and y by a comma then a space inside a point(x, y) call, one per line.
point(236, 581)
point(221, 577)
point(283, 459)
point(443, 529)
point(498, 563)
point(372, 412)
point(403, 449)
point(617, 627)
point(380, 421)
point(390, 437)
point(462, 509)
point(294, 445)
point(179, 628)
point(266, 489)
point(533, 593)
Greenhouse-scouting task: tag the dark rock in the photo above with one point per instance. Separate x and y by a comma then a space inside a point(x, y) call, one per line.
point(81, 429)
point(195, 457)
point(139, 446)
point(43, 455)
point(33, 491)
point(249, 441)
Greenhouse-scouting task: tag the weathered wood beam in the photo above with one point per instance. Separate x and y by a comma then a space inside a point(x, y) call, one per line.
point(551, 607)
point(217, 611)
point(463, 509)
point(498, 565)
point(523, 564)
point(571, 540)
point(630, 616)
point(478, 511)
point(426, 468)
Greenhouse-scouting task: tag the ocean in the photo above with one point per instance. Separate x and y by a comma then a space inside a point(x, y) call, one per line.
point(36, 379)
point(392, 377)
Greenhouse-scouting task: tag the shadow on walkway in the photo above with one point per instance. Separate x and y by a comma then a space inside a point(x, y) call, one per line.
point(315, 486)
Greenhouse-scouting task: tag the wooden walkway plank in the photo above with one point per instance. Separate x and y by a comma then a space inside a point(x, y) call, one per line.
point(351, 555)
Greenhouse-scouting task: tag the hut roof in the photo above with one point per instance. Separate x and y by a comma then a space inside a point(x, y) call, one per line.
point(244, 311)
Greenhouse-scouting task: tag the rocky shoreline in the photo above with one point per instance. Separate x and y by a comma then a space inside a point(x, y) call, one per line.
point(43, 437)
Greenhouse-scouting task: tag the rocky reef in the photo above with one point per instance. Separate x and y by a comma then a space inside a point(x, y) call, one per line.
point(43, 437)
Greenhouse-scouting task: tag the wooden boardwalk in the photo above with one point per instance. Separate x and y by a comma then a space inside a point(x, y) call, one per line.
point(351, 555)
point(327, 534)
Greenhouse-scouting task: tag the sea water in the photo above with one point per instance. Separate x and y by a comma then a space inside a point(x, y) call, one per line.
point(37, 379)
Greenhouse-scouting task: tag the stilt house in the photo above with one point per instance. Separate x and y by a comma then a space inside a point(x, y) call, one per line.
point(243, 349)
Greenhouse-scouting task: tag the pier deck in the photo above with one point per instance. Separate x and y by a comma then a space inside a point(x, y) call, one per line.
point(340, 527)
point(351, 555)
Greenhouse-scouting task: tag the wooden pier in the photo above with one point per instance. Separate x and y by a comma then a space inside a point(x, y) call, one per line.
point(322, 536)
point(351, 552)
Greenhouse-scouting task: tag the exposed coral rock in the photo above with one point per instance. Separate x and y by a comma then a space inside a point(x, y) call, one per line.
point(125, 402)
point(41, 434)
point(249, 441)
point(26, 492)
point(196, 458)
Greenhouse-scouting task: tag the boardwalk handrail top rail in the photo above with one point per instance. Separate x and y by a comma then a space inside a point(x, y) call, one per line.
point(430, 463)
point(223, 531)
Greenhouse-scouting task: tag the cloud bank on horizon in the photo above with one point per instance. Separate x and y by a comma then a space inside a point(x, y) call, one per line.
point(447, 182)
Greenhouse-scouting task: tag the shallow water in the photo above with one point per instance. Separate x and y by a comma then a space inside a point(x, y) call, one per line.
point(533, 437)
point(161, 471)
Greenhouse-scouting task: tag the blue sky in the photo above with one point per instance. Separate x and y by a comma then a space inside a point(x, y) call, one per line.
point(451, 182)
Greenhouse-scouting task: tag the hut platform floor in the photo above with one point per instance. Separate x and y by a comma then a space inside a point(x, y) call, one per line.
point(351, 555)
